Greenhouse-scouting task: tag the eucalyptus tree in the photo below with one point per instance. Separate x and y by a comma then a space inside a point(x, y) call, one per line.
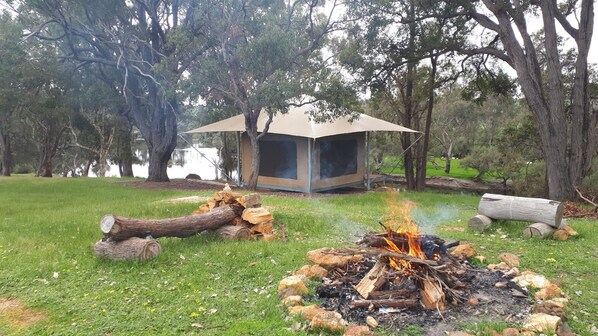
point(565, 120)
point(267, 56)
point(398, 49)
point(151, 43)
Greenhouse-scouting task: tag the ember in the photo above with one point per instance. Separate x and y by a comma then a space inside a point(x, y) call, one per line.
point(412, 275)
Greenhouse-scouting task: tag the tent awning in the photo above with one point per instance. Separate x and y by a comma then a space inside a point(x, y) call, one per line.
point(298, 123)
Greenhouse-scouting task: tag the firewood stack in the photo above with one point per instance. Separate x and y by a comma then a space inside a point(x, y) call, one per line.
point(230, 214)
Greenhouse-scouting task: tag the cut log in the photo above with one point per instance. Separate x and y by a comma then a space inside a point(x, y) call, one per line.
point(265, 227)
point(521, 208)
point(429, 244)
point(540, 230)
point(250, 201)
point(121, 228)
point(130, 249)
point(373, 280)
point(394, 303)
point(231, 232)
point(431, 294)
point(238, 221)
point(257, 215)
point(230, 197)
point(202, 209)
point(479, 222)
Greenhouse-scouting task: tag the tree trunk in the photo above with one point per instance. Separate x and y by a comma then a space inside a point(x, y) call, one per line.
point(45, 167)
point(85, 171)
point(447, 159)
point(255, 158)
point(6, 151)
point(422, 159)
point(120, 228)
point(521, 208)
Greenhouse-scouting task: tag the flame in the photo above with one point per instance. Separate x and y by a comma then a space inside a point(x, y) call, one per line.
point(398, 223)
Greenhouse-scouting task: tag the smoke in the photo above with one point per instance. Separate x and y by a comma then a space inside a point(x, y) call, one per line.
point(428, 219)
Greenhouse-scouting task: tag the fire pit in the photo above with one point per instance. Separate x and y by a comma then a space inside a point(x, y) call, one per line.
point(407, 278)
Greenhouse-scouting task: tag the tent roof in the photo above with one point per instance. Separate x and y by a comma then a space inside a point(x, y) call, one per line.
point(297, 122)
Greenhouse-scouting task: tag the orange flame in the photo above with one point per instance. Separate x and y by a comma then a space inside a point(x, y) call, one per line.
point(398, 222)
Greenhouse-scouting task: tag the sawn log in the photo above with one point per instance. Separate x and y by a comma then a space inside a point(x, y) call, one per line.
point(121, 228)
point(521, 208)
point(130, 249)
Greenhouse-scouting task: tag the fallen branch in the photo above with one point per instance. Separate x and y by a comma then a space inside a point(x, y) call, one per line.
point(586, 199)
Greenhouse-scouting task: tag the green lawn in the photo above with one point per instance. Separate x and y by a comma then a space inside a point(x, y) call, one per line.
point(434, 167)
point(48, 226)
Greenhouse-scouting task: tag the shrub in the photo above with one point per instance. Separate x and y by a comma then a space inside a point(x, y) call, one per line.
point(532, 181)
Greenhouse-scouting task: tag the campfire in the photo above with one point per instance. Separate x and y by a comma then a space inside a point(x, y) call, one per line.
point(406, 273)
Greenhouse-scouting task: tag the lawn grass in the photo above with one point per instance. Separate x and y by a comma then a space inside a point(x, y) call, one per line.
point(47, 228)
point(435, 167)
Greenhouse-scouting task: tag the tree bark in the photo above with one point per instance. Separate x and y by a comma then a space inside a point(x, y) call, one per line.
point(6, 159)
point(422, 158)
point(120, 228)
point(447, 159)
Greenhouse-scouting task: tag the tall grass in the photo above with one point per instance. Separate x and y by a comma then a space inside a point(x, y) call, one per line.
point(203, 285)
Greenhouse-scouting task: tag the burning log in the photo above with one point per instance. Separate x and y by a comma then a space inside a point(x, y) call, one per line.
point(130, 249)
point(394, 303)
point(432, 295)
point(521, 208)
point(373, 280)
point(429, 244)
point(121, 228)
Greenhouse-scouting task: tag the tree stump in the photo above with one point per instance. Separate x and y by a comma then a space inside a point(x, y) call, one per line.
point(479, 222)
point(130, 249)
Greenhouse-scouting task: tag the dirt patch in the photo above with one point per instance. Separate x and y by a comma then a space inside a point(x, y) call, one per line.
point(16, 315)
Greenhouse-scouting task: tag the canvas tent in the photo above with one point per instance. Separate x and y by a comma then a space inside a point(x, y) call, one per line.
point(299, 154)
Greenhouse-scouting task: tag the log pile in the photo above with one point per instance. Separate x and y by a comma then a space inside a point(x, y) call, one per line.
point(546, 216)
point(229, 214)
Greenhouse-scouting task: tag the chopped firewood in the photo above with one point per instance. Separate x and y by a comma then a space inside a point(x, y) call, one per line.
point(257, 215)
point(212, 203)
point(238, 221)
point(269, 236)
point(230, 197)
point(373, 280)
point(250, 201)
point(202, 209)
point(432, 296)
point(394, 303)
point(121, 228)
point(570, 231)
point(264, 227)
point(410, 259)
point(130, 249)
point(430, 244)
point(231, 232)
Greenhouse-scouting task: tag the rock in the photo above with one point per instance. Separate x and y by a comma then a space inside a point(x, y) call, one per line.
point(458, 333)
point(549, 292)
point(370, 321)
point(472, 301)
point(510, 332)
point(560, 235)
point(328, 320)
point(463, 251)
point(503, 266)
point(500, 284)
point(326, 257)
point(569, 230)
point(510, 259)
point(357, 330)
point(527, 279)
point(293, 300)
point(312, 271)
point(541, 323)
point(481, 258)
point(512, 272)
point(292, 285)
point(550, 307)
point(306, 312)
point(193, 177)
point(565, 330)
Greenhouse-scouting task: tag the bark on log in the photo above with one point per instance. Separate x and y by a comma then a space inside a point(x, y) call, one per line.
point(540, 230)
point(130, 249)
point(121, 228)
point(521, 208)
point(479, 222)
point(232, 232)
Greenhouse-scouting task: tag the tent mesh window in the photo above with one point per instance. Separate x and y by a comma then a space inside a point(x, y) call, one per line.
point(338, 158)
point(278, 159)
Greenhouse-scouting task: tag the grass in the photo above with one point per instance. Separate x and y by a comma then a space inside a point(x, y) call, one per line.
point(435, 167)
point(205, 286)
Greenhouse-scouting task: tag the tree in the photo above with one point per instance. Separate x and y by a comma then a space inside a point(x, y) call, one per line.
point(150, 43)
point(566, 123)
point(267, 56)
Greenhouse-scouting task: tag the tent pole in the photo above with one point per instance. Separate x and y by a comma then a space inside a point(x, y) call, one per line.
point(367, 160)
point(238, 158)
point(309, 163)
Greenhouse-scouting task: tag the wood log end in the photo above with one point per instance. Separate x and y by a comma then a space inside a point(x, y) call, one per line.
point(479, 222)
point(106, 223)
point(130, 249)
point(539, 230)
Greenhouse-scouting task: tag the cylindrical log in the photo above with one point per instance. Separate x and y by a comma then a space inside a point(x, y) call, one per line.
point(120, 228)
point(130, 249)
point(521, 208)
point(479, 222)
point(232, 232)
point(540, 230)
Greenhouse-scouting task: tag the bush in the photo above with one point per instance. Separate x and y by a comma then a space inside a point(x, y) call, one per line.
point(532, 181)
point(23, 169)
point(589, 184)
